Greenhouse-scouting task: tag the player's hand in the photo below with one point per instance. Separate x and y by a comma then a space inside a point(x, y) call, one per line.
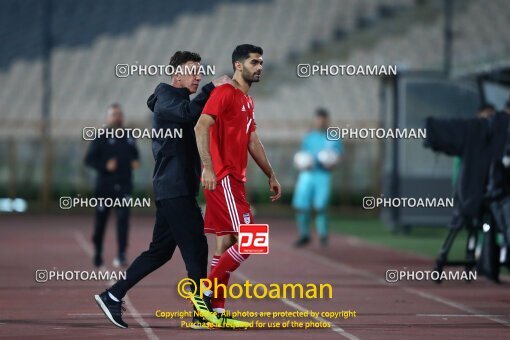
point(275, 188)
point(111, 165)
point(135, 165)
point(222, 81)
point(208, 179)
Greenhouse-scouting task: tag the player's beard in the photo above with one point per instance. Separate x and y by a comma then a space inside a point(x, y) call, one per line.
point(250, 78)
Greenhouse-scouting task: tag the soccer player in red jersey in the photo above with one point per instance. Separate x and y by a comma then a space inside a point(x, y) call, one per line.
point(225, 133)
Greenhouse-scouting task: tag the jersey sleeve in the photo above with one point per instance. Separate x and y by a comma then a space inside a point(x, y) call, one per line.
point(221, 98)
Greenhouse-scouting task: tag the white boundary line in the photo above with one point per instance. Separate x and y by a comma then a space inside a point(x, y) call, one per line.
point(375, 278)
point(87, 248)
point(472, 311)
point(138, 317)
point(293, 304)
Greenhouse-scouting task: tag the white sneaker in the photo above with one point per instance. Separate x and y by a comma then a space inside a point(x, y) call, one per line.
point(118, 263)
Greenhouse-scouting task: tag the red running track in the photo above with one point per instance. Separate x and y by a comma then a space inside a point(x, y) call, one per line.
point(355, 269)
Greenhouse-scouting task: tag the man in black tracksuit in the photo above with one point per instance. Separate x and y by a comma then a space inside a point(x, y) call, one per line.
point(114, 160)
point(176, 181)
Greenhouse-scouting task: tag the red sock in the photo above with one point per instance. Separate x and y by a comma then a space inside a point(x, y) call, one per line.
point(214, 261)
point(228, 262)
point(220, 301)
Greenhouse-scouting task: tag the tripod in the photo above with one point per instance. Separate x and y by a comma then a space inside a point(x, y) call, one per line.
point(459, 222)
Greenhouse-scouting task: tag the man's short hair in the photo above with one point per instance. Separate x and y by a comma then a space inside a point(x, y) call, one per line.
point(242, 52)
point(182, 57)
point(322, 113)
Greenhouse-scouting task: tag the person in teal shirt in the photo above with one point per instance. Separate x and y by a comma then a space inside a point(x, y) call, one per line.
point(313, 187)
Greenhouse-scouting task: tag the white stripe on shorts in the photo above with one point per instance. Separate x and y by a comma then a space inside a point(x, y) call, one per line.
point(229, 204)
point(233, 202)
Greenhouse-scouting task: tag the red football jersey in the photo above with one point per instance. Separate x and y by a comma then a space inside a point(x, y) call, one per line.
point(230, 134)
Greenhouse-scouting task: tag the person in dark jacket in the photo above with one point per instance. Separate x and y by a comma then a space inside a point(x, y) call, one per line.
point(114, 160)
point(176, 177)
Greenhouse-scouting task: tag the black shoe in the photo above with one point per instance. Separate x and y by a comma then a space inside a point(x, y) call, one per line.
point(98, 260)
point(324, 241)
point(112, 309)
point(302, 241)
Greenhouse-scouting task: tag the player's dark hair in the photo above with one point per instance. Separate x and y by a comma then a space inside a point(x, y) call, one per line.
point(182, 57)
point(322, 113)
point(242, 52)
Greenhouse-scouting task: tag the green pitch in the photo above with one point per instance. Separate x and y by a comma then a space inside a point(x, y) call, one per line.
point(424, 241)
